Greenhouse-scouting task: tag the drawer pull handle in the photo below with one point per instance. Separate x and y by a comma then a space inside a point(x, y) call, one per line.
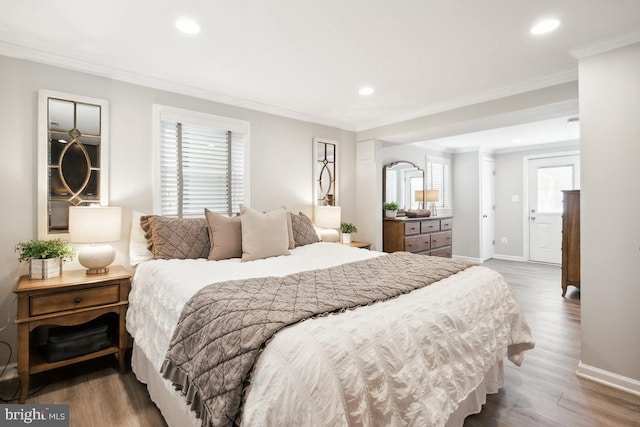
point(77, 300)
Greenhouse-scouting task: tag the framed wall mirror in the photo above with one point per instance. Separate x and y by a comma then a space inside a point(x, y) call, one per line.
point(325, 183)
point(403, 183)
point(72, 158)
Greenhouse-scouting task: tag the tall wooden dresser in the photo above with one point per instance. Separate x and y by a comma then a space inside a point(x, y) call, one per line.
point(426, 236)
point(570, 239)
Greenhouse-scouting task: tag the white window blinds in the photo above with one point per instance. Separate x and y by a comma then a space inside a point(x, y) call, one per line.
point(202, 162)
point(439, 178)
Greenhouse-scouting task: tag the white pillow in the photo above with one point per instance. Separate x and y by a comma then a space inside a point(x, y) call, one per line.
point(264, 235)
point(138, 251)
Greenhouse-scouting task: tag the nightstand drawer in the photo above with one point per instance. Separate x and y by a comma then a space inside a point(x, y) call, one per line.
point(61, 301)
point(446, 224)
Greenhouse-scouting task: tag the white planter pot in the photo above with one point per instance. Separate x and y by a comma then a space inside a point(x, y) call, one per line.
point(44, 268)
point(346, 237)
point(390, 214)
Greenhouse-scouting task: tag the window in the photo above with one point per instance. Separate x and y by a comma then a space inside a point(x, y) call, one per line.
point(201, 162)
point(439, 178)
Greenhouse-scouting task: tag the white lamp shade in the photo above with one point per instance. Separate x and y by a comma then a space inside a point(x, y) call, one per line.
point(327, 216)
point(433, 195)
point(89, 224)
point(419, 196)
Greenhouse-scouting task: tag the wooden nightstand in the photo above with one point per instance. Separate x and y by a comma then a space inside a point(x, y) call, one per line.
point(361, 245)
point(72, 298)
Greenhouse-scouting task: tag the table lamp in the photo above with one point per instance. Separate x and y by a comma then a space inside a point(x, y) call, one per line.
point(328, 219)
point(419, 197)
point(95, 225)
point(433, 196)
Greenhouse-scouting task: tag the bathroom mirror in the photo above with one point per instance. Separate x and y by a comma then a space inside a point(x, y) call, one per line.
point(72, 158)
point(400, 182)
point(325, 188)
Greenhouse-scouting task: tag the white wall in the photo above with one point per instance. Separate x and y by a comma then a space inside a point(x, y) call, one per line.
point(281, 157)
point(610, 244)
point(466, 204)
point(509, 181)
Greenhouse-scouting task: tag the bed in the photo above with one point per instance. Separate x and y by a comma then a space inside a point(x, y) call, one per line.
point(427, 357)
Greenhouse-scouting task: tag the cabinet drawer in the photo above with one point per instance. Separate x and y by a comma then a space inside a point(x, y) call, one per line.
point(43, 304)
point(417, 243)
point(429, 226)
point(411, 228)
point(446, 224)
point(442, 252)
point(442, 238)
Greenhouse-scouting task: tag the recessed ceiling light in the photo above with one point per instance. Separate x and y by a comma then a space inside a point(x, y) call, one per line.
point(366, 91)
point(545, 26)
point(187, 26)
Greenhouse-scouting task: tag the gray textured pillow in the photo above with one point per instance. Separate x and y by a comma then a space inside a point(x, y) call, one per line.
point(176, 238)
point(225, 235)
point(303, 231)
point(264, 235)
point(292, 241)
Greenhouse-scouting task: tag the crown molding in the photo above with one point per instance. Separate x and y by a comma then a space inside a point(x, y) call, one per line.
point(614, 42)
point(61, 61)
point(492, 95)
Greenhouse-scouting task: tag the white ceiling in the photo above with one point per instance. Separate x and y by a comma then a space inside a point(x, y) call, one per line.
point(307, 58)
point(534, 134)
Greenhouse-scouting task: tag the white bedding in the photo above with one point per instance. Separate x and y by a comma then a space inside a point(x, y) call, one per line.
point(410, 360)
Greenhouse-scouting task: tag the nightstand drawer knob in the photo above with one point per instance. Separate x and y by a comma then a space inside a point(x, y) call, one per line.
point(77, 300)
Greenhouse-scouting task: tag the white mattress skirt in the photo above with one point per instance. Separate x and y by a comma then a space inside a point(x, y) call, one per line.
point(177, 413)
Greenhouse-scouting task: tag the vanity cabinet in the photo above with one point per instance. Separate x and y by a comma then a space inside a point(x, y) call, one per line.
point(426, 236)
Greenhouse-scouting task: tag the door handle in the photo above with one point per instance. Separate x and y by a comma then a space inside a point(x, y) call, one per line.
point(484, 216)
point(533, 218)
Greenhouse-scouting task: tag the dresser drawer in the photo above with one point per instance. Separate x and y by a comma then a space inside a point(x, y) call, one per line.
point(441, 238)
point(411, 228)
point(442, 252)
point(429, 226)
point(417, 243)
point(61, 301)
point(446, 224)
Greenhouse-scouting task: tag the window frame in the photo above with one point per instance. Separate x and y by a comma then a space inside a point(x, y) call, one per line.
point(443, 208)
point(197, 118)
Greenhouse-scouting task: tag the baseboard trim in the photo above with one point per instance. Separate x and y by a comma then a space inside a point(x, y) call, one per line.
point(10, 373)
point(509, 257)
point(608, 378)
point(467, 258)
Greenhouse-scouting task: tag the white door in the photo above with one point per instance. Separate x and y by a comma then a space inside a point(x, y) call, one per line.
point(487, 209)
point(547, 178)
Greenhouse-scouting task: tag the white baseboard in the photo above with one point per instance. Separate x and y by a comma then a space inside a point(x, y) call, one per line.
point(608, 378)
point(467, 258)
point(10, 373)
point(509, 257)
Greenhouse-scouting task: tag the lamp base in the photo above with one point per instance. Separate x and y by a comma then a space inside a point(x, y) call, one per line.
point(104, 270)
point(433, 210)
point(97, 258)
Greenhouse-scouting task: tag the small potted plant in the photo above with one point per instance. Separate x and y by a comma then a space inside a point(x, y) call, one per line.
point(45, 257)
point(390, 209)
point(346, 228)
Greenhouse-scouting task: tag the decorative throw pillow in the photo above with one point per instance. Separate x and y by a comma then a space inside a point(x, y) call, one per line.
point(225, 235)
point(303, 231)
point(292, 241)
point(138, 251)
point(264, 235)
point(176, 238)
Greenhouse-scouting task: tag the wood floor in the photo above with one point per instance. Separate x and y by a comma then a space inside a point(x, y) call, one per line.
point(544, 391)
